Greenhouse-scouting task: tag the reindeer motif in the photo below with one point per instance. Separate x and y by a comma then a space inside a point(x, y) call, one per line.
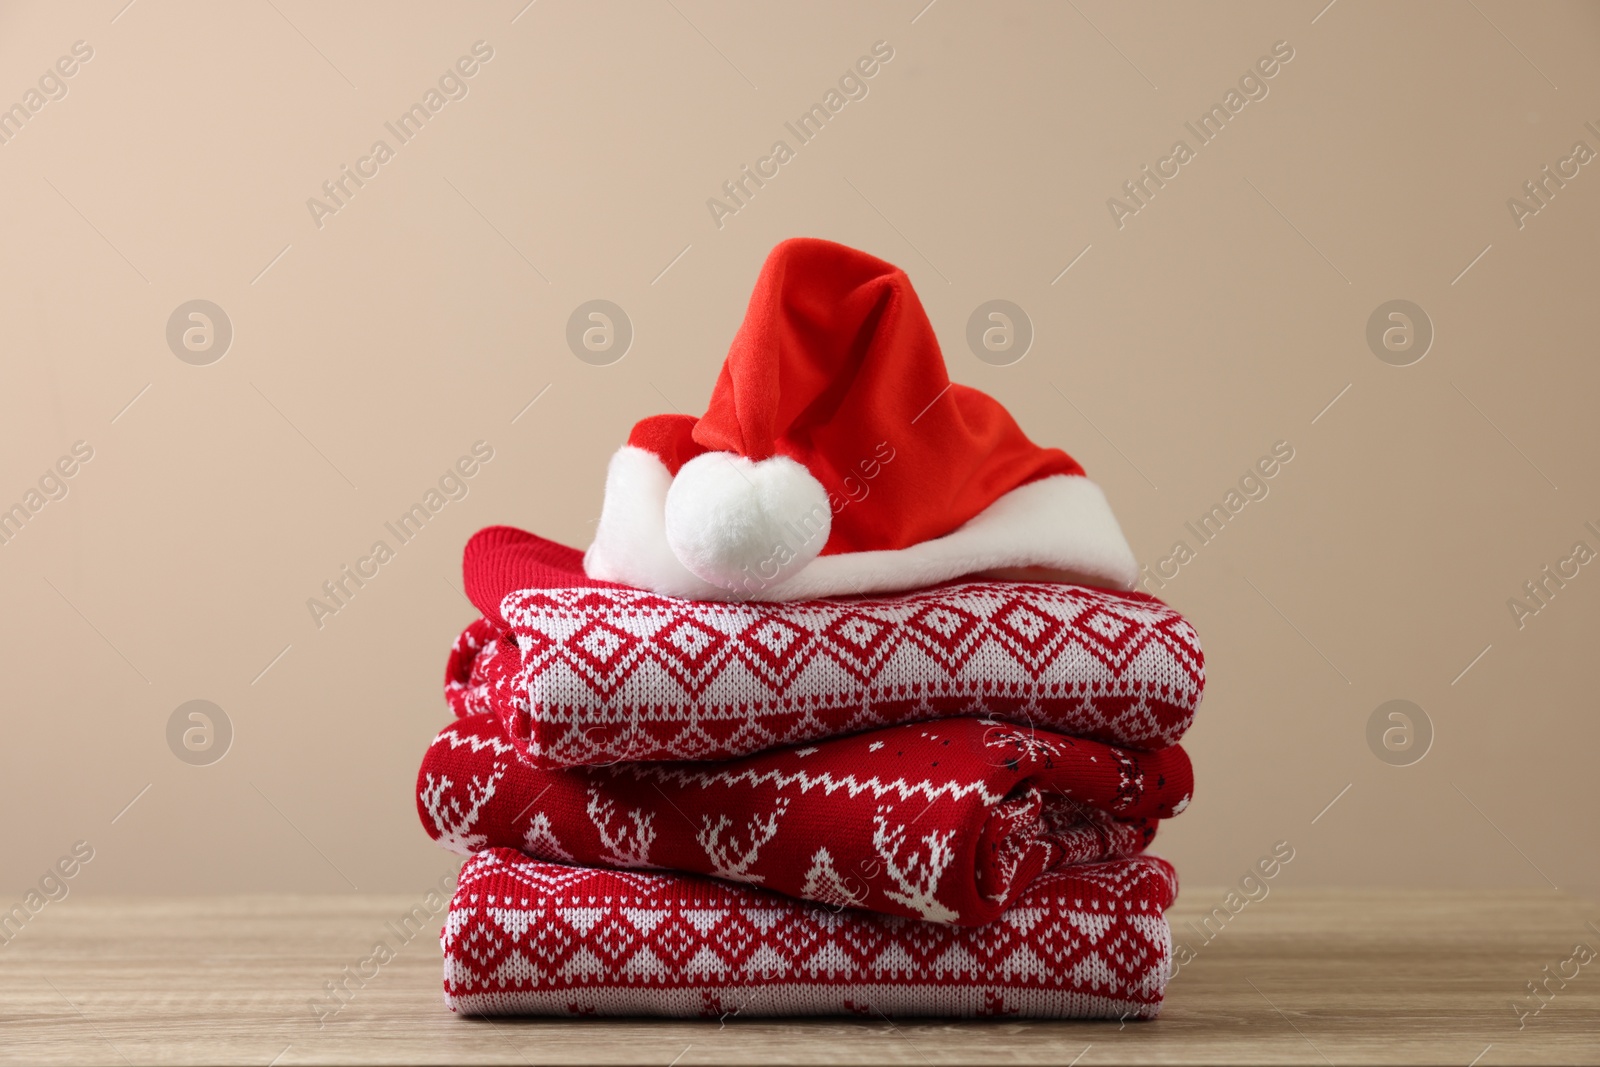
point(722, 853)
point(451, 818)
point(917, 876)
point(627, 837)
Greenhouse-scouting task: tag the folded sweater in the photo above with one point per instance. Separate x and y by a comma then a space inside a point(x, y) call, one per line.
point(526, 937)
point(584, 672)
point(947, 821)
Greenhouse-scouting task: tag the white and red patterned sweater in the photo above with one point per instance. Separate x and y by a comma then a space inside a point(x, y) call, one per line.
point(525, 937)
point(584, 672)
point(944, 821)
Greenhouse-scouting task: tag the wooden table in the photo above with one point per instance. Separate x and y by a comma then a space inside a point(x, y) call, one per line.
point(1300, 977)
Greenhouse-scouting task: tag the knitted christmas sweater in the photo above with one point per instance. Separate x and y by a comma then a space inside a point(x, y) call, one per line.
point(948, 821)
point(586, 673)
point(526, 937)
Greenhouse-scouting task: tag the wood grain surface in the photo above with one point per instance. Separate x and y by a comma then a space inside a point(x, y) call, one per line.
point(1300, 977)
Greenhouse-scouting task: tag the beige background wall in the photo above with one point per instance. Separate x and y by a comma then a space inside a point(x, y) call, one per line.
point(368, 353)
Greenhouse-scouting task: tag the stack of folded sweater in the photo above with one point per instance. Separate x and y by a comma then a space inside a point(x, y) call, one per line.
point(896, 753)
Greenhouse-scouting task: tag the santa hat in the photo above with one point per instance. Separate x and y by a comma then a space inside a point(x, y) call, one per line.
point(837, 458)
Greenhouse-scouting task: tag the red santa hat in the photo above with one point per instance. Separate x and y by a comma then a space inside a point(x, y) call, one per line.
point(837, 458)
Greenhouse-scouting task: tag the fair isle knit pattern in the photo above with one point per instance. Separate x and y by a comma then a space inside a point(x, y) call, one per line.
point(587, 673)
point(525, 937)
point(947, 821)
